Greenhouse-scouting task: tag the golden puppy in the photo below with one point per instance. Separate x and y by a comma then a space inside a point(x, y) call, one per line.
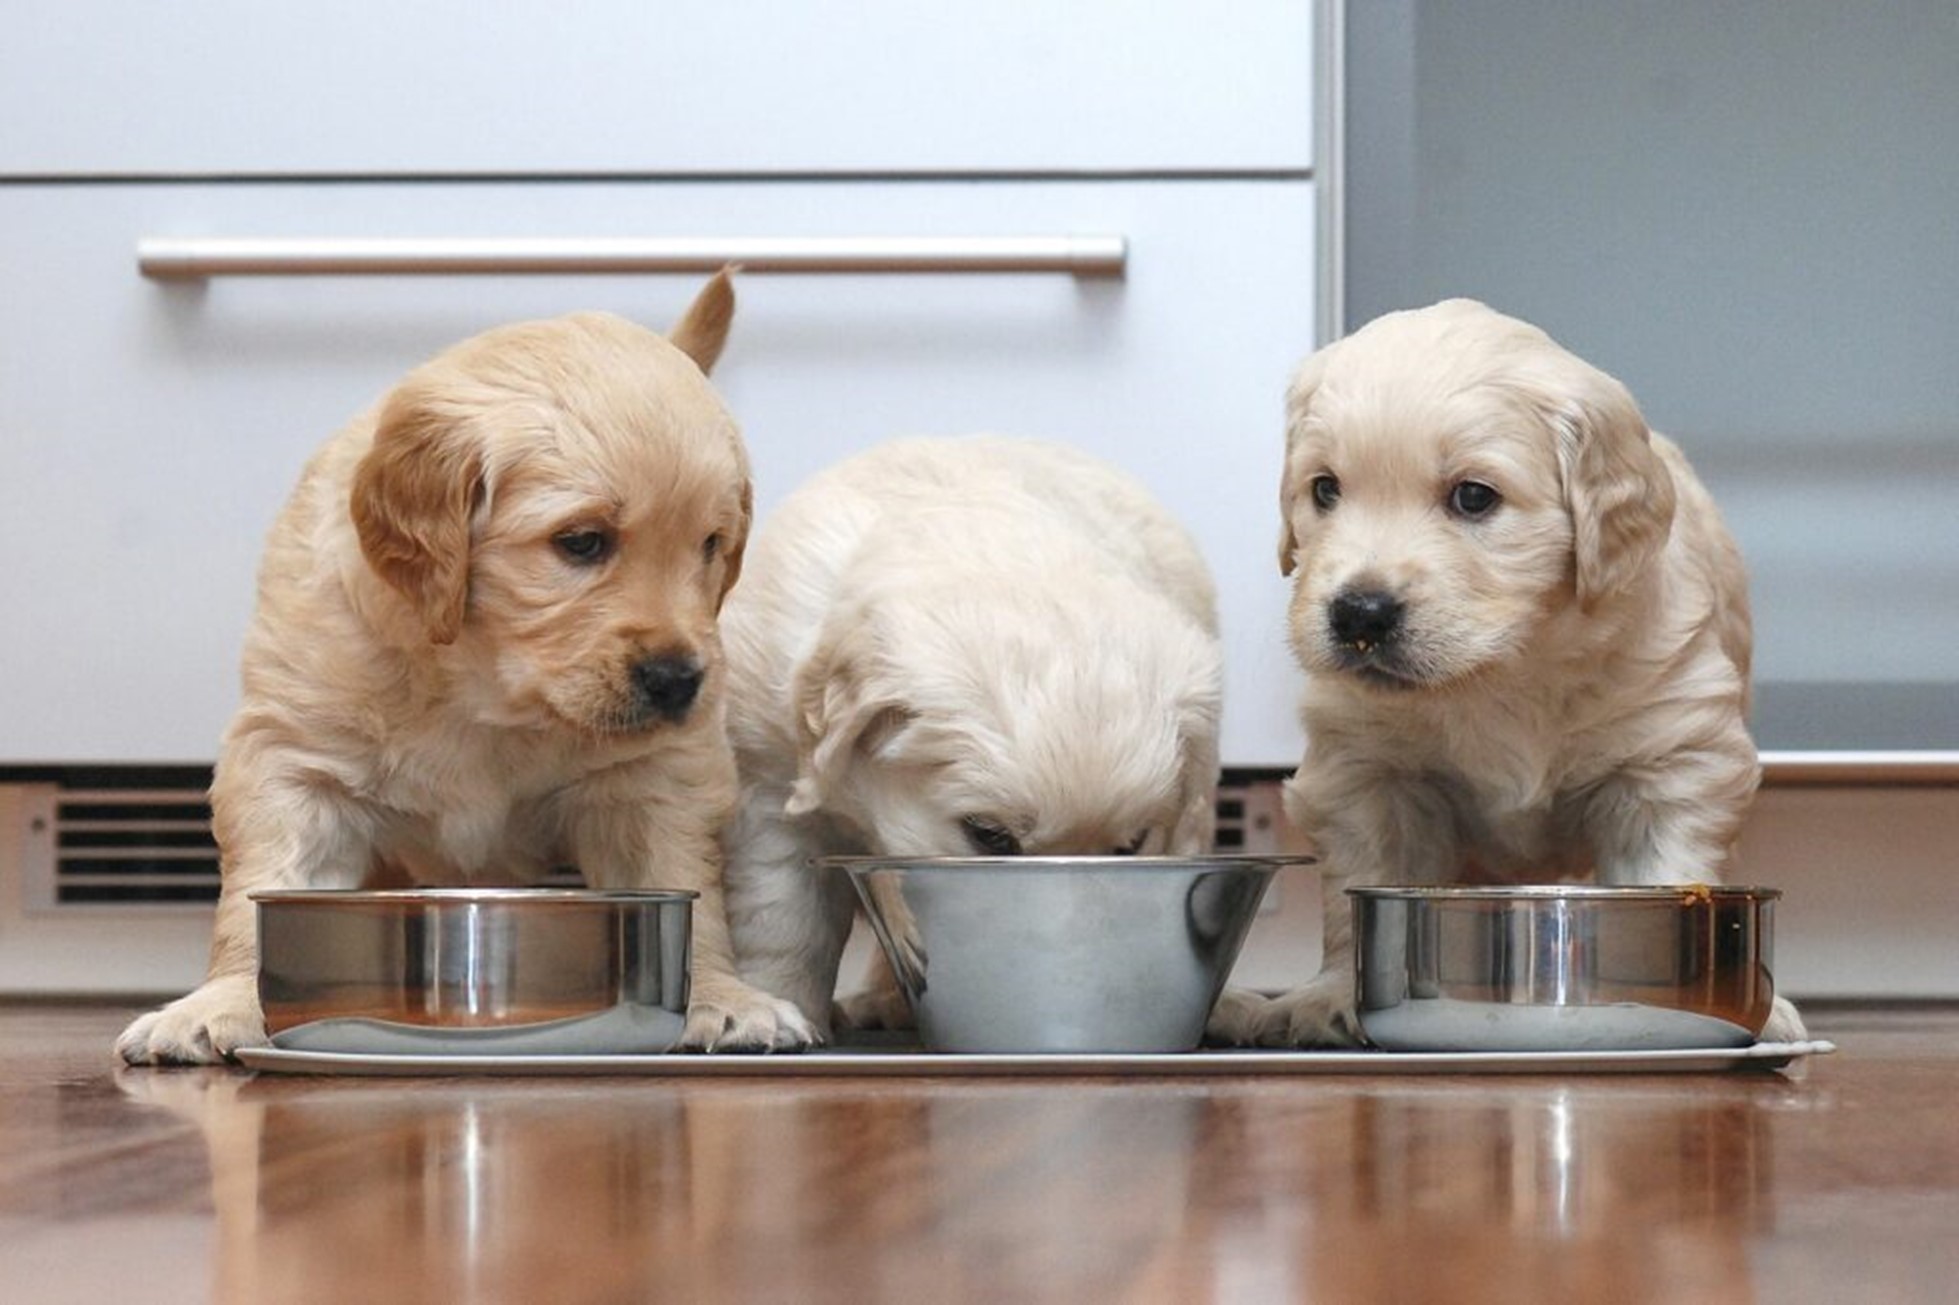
point(1524, 629)
point(486, 646)
point(958, 647)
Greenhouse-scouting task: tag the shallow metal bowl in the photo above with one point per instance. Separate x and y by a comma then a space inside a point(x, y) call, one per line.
point(1061, 954)
point(474, 970)
point(1563, 967)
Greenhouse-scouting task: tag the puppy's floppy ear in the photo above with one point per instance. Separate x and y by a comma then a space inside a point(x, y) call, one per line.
point(738, 544)
point(1195, 829)
point(842, 708)
point(413, 496)
point(702, 330)
point(1616, 486)
point(1292, 481)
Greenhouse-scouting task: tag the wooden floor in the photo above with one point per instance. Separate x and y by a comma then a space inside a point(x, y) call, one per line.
point(1836, 1182)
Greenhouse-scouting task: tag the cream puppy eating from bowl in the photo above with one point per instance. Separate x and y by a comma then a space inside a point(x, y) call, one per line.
point(958, 647)
point(1524, 629)
point(486, 646)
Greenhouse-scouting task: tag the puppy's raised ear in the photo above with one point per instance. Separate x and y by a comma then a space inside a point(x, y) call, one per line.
point(1293, 477)
point(843, 709)
point(414, 494)
point(1616, 486)
point(702, 330)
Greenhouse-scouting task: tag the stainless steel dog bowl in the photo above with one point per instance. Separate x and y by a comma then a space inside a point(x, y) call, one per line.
point(1061, 954)
point(474, 970)
point(1563, 967)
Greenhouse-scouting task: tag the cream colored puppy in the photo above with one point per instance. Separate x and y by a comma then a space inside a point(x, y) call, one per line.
point(486, 646)
point(1524, 629)
point(958, 647)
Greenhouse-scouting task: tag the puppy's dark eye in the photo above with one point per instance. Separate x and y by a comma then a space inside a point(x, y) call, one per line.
point(584, 547)
point(710, 548)
point(1472, 498)
point(1134, 845)
point(1326, 492)
point(989, 838)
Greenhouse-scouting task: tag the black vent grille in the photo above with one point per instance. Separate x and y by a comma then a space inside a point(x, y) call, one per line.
point(1250, 814)
point(115, 846)
point(1231, 829)
point(125, 836)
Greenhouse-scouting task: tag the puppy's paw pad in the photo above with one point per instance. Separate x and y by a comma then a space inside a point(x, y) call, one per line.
point(874, 1010)
point(747, 1019)
point(1237, 1018)
point(1318, 1015)
point(204, 1028)
point(1785, 1023)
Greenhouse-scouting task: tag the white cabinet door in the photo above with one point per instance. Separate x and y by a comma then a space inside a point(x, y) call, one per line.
point(463, 87)
point(149, 431)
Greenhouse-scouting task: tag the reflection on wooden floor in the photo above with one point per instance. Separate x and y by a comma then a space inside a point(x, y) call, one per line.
point(1833, 1182)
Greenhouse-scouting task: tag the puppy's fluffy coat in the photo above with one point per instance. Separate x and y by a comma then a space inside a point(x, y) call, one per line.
point(486, 645)
point(1524, 627)
point(958, 647)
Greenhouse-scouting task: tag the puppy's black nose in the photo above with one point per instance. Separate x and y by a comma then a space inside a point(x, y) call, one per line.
point(1363, 619)
point(667, 685)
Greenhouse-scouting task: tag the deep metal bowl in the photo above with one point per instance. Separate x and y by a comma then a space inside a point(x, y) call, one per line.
point(474, 970)
point(1563, 967)
point(1061, 954)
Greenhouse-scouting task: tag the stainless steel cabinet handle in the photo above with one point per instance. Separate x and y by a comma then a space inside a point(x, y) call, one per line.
point(169, 258)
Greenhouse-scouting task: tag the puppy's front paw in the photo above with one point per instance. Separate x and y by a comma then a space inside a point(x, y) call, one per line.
point(874, 1008)
point(1785, 1023)
point(1236, 1019)
point(731, 1016)
point(1321, 1014)
point(204, 1028)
